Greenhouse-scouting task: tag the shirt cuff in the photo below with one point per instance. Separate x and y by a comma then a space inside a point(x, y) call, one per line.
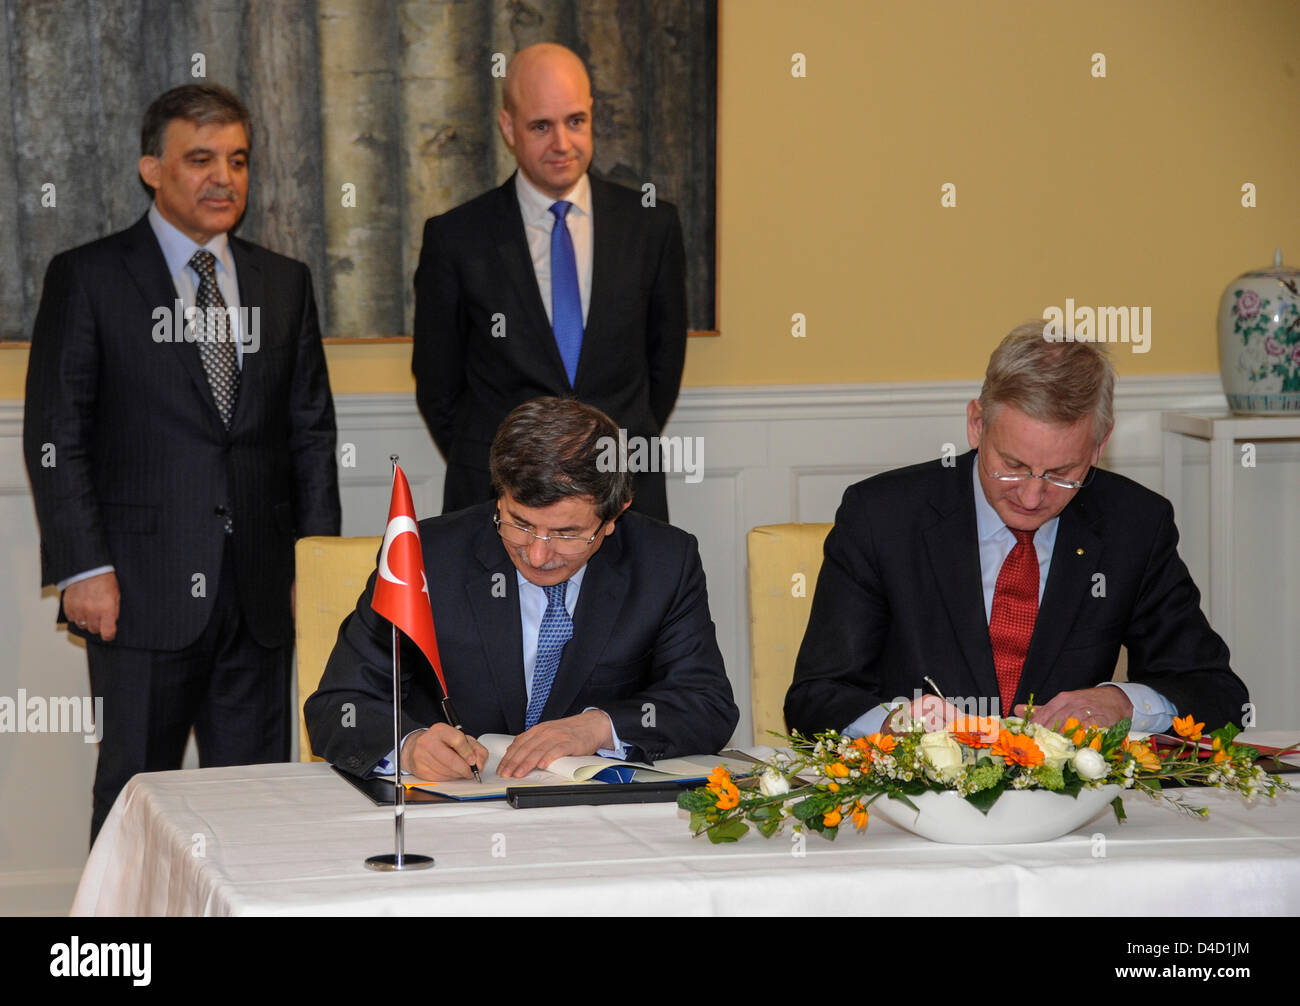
point(1152, 712)
point(385, 764)
point(869, 722)
point(63, 585)
point(619, 749)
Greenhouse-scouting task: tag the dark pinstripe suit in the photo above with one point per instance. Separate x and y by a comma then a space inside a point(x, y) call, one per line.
point(144, 469)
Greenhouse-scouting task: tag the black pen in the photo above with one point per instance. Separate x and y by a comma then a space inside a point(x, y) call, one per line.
point(449, 714)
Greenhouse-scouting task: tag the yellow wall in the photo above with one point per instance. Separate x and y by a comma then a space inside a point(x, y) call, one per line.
point(1117, 191)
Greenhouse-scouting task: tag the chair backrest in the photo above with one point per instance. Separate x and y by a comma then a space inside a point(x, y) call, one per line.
point(330, 575)
point(784, 560)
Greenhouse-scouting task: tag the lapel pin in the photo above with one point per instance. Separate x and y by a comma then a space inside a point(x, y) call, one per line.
point(1078, 551)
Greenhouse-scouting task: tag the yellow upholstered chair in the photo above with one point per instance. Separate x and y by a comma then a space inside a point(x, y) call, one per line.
point(784, 560)
point(331, 573)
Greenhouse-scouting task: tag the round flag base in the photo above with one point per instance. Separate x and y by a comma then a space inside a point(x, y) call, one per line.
point(389, 862)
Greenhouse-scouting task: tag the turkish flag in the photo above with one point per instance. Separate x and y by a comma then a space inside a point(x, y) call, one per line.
point(401, 589)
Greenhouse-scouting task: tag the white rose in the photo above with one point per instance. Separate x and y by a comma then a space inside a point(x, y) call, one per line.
point(1089, 764)
point(772, 783)
point(1057, 750)
point(942, 754)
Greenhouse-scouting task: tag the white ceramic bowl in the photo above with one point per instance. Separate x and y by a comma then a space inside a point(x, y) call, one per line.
point(1031, 815)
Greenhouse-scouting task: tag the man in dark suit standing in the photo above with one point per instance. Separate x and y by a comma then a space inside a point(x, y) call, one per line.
point(554, 284)
point(1017, 569)
point(561, 619)
point(179, 435)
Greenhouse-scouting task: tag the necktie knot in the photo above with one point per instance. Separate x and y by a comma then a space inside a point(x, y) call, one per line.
point(560, 208)
point(556, 593)
point(204, 262)
point(1023, 537)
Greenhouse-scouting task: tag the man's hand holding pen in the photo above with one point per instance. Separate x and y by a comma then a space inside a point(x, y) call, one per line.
point(442, 752)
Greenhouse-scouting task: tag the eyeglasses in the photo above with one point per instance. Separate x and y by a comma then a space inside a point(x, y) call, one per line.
point(521, 537)
point(1059, 483)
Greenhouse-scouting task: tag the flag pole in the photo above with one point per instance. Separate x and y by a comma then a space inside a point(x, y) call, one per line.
point(398, 860)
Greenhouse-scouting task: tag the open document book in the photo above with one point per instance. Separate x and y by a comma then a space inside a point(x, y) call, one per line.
point(577, 770)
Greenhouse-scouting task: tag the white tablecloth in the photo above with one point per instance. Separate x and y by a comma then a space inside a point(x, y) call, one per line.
point(290, 839)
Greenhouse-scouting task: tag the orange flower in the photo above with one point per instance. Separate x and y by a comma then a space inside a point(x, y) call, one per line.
point(834, 787)
point(1018, 749)
point(1143, 755)
point(1069, 725)
point(975, 731)
point(1095, 743)
point(721, 784)
point(832, 818)
point(838, 769)
point(859, 816)
point(1220, 756)
point(884, 743)
point(1186, 728)
point(1078, 737)
point(728, 798)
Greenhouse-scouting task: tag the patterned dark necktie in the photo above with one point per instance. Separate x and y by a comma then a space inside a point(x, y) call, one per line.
point(1015, 608)
point(556, 630)
point(216, 346)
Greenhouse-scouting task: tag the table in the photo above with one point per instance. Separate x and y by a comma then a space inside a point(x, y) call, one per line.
point(289, 839)
point(1222, 431)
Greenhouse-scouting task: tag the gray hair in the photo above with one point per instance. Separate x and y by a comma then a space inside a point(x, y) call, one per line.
point(1050, 381)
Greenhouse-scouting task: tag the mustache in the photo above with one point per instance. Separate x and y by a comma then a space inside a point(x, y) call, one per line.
point(219, 192)
point(556, 563)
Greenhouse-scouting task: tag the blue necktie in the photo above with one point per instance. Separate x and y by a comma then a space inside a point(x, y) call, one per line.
point(566, 297)
point(556, 630)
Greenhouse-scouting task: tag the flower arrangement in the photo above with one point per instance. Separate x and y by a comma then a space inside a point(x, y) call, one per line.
point(829, 780)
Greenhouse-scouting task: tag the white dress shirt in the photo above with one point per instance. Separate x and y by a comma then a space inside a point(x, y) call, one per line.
point(539, 221)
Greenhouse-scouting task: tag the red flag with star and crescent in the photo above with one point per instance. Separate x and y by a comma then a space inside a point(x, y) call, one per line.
point(401, 589)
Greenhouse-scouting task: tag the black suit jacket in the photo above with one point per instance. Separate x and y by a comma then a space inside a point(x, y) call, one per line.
point(476, 272)
point(142, 463)
point(899, 597)
point(643, 648)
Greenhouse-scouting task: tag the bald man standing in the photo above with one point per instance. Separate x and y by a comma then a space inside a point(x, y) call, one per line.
point(556, 283)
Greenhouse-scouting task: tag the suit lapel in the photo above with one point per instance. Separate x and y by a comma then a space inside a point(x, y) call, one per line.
point(517, 261)
point(252, 295)
point(144, 262)
point(498, 622)
point(952, 543)
point(604, 587)
point(607, 263)
point(1075, 558)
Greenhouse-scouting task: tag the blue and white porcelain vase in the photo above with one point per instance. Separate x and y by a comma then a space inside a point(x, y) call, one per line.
point(1259, 341)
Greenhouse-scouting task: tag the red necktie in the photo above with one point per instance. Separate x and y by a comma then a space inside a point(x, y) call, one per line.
point(1015, 606)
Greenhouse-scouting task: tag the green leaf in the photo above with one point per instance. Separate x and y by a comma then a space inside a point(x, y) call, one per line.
point(1115, 736)
point(697, 801)
point(984, 800)
point(1118, 805)
point(728, 831)
point(769, 827)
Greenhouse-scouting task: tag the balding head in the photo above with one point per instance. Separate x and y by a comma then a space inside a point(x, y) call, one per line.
point(546, 116)
point(538, 63)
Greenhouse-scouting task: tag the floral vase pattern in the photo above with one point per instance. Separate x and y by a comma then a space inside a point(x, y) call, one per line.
point(1259, 341)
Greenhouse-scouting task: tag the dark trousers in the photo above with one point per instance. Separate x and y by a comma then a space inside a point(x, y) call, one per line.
point(231, 690)
point(465, 487)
